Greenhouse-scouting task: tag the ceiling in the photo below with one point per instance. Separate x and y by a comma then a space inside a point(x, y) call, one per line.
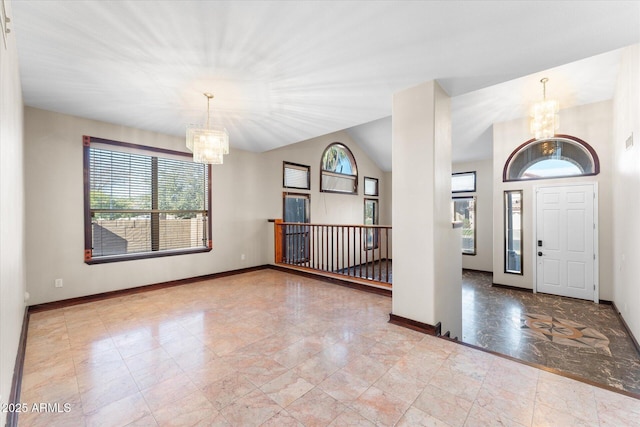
point(283, 72)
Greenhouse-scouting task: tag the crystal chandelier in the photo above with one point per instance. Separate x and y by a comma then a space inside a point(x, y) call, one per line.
point(544, 115)
point(208, 143)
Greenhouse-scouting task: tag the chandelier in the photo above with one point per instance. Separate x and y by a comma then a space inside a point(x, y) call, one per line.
point(544, 115)
point(208, 143)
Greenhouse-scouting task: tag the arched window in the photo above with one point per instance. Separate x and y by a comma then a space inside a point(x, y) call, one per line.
point(338, 170)
point(557, 157)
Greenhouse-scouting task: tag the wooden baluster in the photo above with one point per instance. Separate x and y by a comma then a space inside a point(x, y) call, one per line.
point(342, 251)
point(366, 253)
point(331, 250)
point(349, 251)
point(354, 251)
point(310, 249)
point(326, 248)
point(387, 249)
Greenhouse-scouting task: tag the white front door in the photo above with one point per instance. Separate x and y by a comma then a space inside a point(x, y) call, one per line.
point(565, 241)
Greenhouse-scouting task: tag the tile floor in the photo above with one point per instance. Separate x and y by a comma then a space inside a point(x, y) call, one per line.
point(574, 336)
point(276, 349)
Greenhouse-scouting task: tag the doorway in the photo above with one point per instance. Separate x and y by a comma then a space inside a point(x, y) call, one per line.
point(566, 243)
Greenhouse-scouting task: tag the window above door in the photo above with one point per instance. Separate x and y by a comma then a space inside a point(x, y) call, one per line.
point(557, 157)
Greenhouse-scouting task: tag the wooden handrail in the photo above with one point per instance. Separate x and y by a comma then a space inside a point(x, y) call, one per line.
point(279, 221)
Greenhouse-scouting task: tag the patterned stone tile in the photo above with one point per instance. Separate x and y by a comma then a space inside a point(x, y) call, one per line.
point(351, 418)
point(226, 390)
point(344, 387)
point(277, 349)
point(195, 410)
point(414, 417)
point(380, 407)
point(506, 404)
point(573, 336)
point(282, 419)
point(316, 408)
point(444, 406)
point(567, 395)
point(119, 413)
point(396, 383)
point(252, 409)
point(286, 388)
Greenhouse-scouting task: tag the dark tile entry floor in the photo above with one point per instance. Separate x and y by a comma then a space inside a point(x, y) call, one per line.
point(573, 336)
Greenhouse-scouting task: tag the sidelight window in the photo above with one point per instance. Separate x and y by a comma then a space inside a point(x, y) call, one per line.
point(513, 231)
point(464, 210)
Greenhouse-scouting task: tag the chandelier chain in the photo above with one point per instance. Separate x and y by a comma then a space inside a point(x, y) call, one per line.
point(544, 81)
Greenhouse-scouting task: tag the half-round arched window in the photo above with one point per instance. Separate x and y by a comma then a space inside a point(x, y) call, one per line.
point(338, 170)
point(557, 157)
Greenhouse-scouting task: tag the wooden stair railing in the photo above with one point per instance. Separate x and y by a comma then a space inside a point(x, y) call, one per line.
point(362, 252)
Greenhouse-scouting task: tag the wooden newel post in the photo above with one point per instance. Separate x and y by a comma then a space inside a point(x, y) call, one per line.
point(278, 239)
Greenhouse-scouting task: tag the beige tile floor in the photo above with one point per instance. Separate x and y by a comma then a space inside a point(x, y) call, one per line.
point(271, 348)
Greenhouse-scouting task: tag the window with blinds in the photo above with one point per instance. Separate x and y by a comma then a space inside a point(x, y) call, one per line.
point(143, 202)
point(370, 186)
point(295, 176)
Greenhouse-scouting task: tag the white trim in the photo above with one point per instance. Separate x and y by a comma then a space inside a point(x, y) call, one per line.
point(596, 248)
point(534, 241)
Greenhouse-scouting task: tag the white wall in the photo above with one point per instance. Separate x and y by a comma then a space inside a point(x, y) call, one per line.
point(12, 245)
point(247, 190)
point(626, 190)
point(386, 194)
point(593, 124)
point(326, 208)
point(54, 200)
point(425, 288)
point(483, 259)
point(448, 259)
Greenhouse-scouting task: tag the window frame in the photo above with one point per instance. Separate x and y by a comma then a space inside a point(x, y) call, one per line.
point(327, 172)
point(475, 228)
point(88, 229)
point(572, 140)
point(467, 189)
point(299, 167)
point(376, 182)
point(297, 249)
point(306, 196)
point(372, 231)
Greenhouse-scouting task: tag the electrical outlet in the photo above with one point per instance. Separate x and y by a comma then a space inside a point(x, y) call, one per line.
point(58, 283)
point(242, 257)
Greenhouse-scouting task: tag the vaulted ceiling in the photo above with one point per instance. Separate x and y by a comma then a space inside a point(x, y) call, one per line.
point(283, 72)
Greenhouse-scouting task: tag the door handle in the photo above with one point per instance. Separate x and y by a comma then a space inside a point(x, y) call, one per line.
point(539, 253)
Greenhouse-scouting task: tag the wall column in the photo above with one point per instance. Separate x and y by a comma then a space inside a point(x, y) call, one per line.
point(427, 262)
